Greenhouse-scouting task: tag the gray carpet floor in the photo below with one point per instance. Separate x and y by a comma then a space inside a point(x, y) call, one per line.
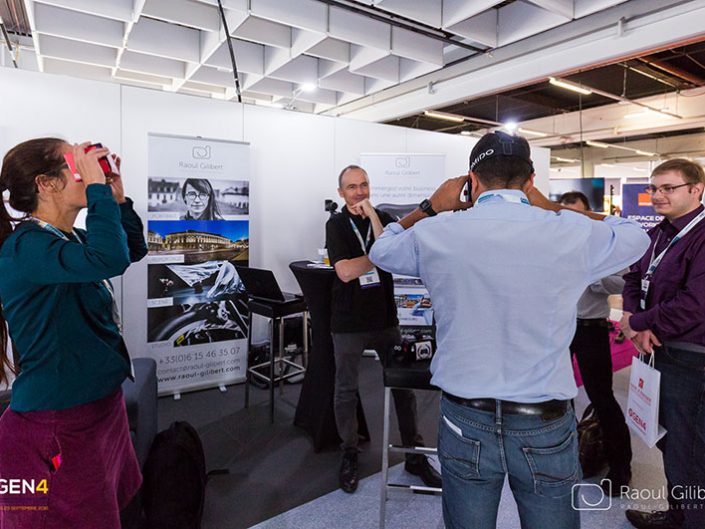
point(276, 481)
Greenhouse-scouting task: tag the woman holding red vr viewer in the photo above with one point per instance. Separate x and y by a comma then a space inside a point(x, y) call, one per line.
point(64, 440)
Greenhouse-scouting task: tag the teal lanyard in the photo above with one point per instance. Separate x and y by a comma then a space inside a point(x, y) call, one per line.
point(506, 197)
point(363, 243)
point(106, 283)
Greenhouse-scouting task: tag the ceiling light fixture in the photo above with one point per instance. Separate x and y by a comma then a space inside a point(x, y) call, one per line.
point(566, 160)
point(569, 86)
point(444, 115)
point(510, 126)
point(532, 132)
point(308, 87)
point(598, 144)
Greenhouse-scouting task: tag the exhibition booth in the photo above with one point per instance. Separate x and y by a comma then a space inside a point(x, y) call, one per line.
point(228, 315)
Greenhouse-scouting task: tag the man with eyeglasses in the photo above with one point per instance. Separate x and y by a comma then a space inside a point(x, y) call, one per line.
point(664, 314)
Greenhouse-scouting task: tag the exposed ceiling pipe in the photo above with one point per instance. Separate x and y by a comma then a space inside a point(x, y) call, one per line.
point(673, 70)
point(8, 43)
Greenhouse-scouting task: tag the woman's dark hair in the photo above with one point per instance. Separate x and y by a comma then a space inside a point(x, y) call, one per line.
point(203, 186)
point(571, 197)
point(20, 168)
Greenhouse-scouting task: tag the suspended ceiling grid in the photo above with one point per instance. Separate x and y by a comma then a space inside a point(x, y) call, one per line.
point(280, 45)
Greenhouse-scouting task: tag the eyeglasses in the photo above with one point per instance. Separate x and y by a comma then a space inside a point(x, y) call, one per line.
point(665, 190)
point(192, 195)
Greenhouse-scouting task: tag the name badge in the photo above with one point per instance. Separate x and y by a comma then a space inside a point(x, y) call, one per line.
point(644, 292)
point(370, 279)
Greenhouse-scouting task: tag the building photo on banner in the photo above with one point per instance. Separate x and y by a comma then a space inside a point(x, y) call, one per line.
point(197, 233)
point(399, 183)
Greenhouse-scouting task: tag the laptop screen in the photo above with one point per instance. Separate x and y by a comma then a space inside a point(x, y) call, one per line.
point(260, 283)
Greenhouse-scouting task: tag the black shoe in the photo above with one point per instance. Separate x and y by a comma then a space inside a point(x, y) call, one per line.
point(617, 480)
point(348, 477)
point(419, 466)
point(652, 520)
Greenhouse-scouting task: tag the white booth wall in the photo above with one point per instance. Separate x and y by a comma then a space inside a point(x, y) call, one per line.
point(295, 158)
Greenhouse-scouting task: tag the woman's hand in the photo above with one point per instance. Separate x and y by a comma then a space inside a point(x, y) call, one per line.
point(114, 180)
point(87, 163)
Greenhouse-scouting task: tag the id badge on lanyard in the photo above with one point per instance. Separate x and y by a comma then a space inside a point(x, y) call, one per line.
point(645, 282)
point(656, 260)
point(371, 278)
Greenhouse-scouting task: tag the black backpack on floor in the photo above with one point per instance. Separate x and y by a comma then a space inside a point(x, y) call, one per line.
point(174, 484)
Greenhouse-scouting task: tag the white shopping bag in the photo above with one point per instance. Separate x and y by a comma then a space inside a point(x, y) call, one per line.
point(643, 401)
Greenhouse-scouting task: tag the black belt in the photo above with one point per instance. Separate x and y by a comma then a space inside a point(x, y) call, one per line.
point(551, 409)
point(593, 322)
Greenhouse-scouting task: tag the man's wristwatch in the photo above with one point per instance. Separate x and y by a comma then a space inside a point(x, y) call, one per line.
point(427, 208)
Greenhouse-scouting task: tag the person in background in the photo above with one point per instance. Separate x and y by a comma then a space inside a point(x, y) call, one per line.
point(364, 316)
point(505, 277)
point(591, 347)
point(664, 314)
point(200, 200)
point(66, 428)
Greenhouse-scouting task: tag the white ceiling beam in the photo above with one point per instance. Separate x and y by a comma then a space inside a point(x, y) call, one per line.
point(302, 69)
point(142, 63)
point(331, 49)
point(165, 40)
point(185, 13)
point(211, 40)
point(272, 86)
point(359, 29)
point(386, 69)
point(78, 26)
point(206, 74)
point(249, 57)
point(264, 32)
point(361, 56)
point(305, 14)
point(564, 8)
point(520, 20)
point(114, 9)
point(344, 81)
point(588, 7)
point(409, 69)
point(327, 68)
point(143, 77)
point(303, 40)
point(481, 28)
point(416, 47)
point(84, 71)
point(72, 50)
point(275, 58)
point(425, 11)
point(455, 11)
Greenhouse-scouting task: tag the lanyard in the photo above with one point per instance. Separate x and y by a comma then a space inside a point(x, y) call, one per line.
point(654, 262)
point(507, 197)
point(363, 244)
point(105, 282)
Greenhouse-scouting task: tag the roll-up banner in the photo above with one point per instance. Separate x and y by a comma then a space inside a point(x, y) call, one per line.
point(198, 232)
point(636, 205)
point(398, 183)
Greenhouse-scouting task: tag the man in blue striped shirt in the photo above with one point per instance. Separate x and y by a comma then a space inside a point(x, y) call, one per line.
point(505, 278)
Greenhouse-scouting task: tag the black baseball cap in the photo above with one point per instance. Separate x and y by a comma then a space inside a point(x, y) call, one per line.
point(500, 143)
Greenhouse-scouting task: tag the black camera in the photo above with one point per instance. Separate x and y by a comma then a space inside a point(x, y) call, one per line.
point(330, 206)
point(414, 347)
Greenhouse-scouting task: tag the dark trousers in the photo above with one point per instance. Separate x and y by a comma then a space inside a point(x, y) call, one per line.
point(348, 349)
point(682, 413)
point(591, 346)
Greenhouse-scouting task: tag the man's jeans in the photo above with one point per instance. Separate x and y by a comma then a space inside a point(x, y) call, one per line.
point(682, 413)
point(477, 449)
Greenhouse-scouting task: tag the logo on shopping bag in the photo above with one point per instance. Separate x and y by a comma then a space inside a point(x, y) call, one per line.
point(641, 383)
point(637, 420)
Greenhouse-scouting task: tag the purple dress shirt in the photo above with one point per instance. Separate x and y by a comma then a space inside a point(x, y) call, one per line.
point(675, 306)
